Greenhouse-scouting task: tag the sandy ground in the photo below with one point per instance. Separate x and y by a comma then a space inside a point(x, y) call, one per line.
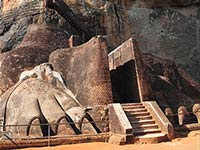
point(192, 142)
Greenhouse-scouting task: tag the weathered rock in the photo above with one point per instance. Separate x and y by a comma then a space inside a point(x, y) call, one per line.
point(15, 18)
point(169, 29)
point(35, 48)
point(189, 86)
point(170, 33)
point(157, 3)
point(12, 35)
point(104, 17)
point(163, 67)
point(86, 72)
point(171, 87)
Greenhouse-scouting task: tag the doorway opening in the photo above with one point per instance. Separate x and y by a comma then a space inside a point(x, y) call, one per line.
point(124, 84)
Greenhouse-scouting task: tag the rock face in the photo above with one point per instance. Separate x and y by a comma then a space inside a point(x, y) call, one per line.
point(35, 49)
point(16, 16)
point(159, 3)
point(169, 29)
point(169, 32)
point(172, 88)
point(104, 17)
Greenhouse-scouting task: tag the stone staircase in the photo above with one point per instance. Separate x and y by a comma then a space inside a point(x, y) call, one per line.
point(143, 125)
point(140, 123)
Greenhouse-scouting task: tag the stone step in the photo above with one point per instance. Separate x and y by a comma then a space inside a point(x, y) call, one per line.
point(135, 110)
point(145, 126)
point(150, 121)
point(137, 118)
point(150, 138)
point(131, 114)
point(138, 132)
point(132, 106)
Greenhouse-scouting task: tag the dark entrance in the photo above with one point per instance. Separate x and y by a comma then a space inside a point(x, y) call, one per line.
point(124, 84)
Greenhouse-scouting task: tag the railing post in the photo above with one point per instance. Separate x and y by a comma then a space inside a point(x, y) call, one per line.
point(49, 135)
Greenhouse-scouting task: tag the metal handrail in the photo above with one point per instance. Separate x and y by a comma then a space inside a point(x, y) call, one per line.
point(46, 124)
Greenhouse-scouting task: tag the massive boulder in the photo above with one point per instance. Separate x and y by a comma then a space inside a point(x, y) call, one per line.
point(38, 43)
point(172, 87)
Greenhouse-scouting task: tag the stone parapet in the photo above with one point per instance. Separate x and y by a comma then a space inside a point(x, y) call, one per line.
point(159, 117)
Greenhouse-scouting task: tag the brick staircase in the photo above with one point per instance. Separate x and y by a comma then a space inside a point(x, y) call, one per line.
point(143, 125)
point(139, 123)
